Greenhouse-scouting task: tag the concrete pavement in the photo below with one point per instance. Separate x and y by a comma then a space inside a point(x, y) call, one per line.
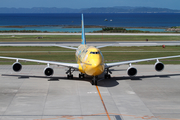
point(123, 43)
point(29, 95)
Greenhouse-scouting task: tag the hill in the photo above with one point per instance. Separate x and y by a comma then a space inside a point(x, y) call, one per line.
point(122, 9)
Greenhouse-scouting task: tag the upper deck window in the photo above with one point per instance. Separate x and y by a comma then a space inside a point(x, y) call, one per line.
point(94, 53)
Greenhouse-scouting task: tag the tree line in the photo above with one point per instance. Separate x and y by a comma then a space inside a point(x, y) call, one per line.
point(119, 30)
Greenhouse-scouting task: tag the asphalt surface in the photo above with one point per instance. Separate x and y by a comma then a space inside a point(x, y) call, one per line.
point(29, 95)
point(131, 43)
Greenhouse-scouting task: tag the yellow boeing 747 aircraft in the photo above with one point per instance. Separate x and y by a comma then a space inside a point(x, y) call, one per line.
point(90, 61)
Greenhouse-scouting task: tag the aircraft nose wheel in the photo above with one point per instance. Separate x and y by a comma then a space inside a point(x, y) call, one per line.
point(94, 80)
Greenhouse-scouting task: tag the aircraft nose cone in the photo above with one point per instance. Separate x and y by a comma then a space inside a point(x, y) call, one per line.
point(98, 67)
point(96, 62)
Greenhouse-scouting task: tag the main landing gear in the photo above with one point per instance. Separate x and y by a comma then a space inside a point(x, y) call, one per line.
point(81, 75)
point(69, 74)
point(107, 76)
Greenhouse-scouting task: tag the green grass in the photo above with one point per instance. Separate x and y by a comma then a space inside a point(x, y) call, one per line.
point(142, 48)
point(77, 38)
point(32, 48)
point(111, 54)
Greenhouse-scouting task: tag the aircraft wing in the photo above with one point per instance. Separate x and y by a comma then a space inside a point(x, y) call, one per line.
point(108, 65)
point(70, 65)
point(103, 46)
point(73, 48)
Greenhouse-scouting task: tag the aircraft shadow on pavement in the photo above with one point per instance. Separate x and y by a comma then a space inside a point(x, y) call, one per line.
point(114, 80)
point(118, 69)
point(102, 82)
point(50, 78)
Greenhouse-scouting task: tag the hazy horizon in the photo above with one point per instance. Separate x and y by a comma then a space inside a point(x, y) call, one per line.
point(86, 7)
point(79, 4)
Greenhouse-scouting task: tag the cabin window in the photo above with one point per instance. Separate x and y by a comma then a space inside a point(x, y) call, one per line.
point(94, 53)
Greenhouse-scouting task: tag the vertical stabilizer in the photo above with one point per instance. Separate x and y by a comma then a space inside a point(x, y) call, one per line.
point(83, 32)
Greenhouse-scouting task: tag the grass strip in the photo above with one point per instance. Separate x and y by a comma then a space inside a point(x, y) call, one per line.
point(111, 54)
point(77, 38)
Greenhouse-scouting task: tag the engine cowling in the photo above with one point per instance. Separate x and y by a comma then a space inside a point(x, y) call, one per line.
point(159, 66)
point(17, 66)
point(48, 71)
point(131, 71)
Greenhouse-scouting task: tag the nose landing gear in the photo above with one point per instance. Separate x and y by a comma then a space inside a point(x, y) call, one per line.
point(94, 80)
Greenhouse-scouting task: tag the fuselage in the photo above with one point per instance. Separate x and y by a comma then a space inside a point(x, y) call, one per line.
point(90, 60)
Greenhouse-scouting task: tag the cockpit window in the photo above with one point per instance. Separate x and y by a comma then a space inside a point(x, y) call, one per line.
point(94, 53)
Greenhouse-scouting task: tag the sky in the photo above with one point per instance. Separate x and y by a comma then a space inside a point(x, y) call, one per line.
point(171, 4)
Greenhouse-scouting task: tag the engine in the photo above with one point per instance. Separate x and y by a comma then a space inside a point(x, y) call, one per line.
point(48, 71)
point(159, 66)
point(17, 66)
point(131, 71)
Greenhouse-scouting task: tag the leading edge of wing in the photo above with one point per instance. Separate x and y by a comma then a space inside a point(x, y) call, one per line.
point(65, 46)
point(103, 46)
point(108, 65)
point(71, 65)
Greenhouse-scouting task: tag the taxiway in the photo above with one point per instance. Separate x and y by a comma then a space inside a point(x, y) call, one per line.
point(29, 95)
point(123, 43)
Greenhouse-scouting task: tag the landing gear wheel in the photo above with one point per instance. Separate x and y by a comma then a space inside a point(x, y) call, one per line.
point(107, 76)
point(94, 80)
point(67, 76)
point(70, 76)
point(81, 75)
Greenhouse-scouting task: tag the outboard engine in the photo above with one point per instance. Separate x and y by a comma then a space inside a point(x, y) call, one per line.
point(131, 71)
point(48, 71)
point(17, 66)
point(159, 66)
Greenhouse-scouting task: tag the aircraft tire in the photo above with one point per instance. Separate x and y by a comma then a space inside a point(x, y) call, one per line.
point(92, 82)
point(95, 82)
point(69, 76)
point(81, 75)
point(107, 76)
